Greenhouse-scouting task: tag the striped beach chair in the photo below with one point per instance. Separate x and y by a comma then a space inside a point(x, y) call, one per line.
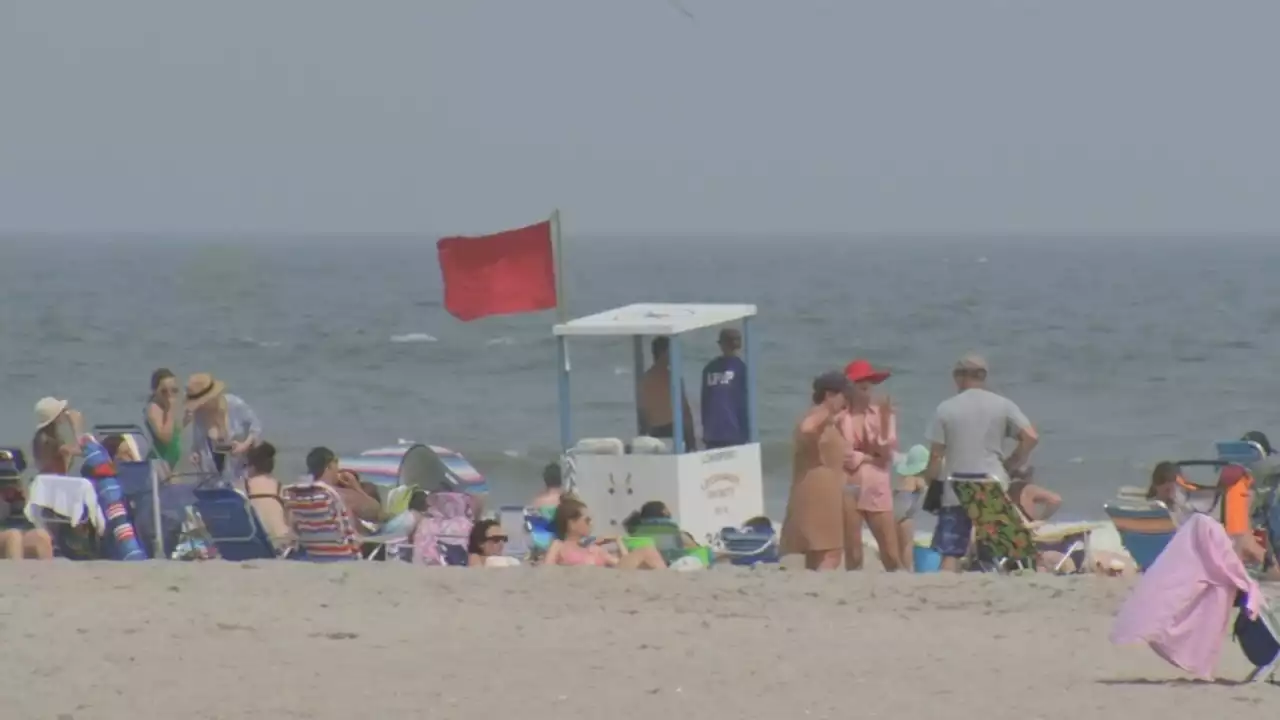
point(323, 528)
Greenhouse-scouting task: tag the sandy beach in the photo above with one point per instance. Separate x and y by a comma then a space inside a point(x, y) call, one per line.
point(290, 640)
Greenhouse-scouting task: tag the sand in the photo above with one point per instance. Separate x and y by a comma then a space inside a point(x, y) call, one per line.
point(291, 640)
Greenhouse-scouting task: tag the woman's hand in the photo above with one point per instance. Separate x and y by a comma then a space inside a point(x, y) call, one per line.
point(241, 447)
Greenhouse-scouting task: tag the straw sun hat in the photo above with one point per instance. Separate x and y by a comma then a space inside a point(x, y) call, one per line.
point(201, 388)
point(48, 410)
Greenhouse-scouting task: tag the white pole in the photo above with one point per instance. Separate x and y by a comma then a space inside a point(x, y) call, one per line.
point(562, 306)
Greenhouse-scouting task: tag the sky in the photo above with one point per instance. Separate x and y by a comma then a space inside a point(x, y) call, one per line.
point(754, 116)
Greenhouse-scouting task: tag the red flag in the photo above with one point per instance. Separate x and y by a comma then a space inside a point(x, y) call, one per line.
point(509, 272)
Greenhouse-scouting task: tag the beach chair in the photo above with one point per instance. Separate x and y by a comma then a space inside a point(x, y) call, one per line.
point(149, 500)
point(233, 526)
point(1239, 452)
point(445, 529)
point(324, 530)
point(1258, 640)
point(1145, 530)
point(1072, 542)
point(751, 544)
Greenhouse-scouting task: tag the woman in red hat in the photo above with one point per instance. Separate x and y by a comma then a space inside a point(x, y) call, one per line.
point(869, 428)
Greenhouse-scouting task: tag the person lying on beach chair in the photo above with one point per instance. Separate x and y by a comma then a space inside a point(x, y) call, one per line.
point(575, 546)
point(1169, 488)
point(653, 520)
point(1037, 503)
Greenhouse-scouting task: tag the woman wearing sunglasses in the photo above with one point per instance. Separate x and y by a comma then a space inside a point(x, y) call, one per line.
point(574, 544)
point(486, 545)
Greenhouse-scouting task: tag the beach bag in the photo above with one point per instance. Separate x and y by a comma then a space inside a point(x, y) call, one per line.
point(442, 535)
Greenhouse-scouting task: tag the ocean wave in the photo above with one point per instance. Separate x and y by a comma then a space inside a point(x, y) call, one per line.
point(413, 338)
point(500, 341)
point(251, 342)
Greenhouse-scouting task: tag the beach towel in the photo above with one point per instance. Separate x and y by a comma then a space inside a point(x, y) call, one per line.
point(1181, 605)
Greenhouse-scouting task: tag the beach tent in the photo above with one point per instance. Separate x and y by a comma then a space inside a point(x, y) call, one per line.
point(410, 464)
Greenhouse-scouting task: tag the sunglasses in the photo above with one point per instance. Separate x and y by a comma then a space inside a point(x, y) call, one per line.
point(496, 538)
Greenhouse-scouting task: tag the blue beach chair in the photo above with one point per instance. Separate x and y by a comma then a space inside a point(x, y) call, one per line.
point(1239, 452)
point(233, 526)
point(748, 545)
point(1145, 531)
point(1258, 640)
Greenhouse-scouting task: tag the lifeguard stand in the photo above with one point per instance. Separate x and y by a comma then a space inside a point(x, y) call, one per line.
point(706, 490)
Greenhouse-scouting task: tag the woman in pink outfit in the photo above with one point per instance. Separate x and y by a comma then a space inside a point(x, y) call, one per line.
point(870, 429)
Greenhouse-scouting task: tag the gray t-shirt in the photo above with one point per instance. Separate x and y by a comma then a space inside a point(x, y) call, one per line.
point(973, 426)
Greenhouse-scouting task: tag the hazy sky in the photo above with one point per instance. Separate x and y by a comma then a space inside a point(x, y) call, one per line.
point(762, 116)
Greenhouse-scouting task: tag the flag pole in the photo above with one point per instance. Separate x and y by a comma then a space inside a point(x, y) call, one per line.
point(562, 308)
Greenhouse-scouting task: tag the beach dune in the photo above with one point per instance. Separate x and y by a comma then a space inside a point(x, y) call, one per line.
point(293, 640)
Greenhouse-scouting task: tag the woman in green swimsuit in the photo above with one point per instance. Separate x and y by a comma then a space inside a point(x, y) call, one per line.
point(164, 426)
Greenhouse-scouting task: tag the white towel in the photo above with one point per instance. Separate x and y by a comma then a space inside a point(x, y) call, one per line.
point(71, 497)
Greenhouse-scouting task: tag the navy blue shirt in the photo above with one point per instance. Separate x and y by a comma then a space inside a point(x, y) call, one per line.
point(724, 401)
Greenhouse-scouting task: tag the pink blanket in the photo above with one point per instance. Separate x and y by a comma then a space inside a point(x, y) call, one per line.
point(1182, 603)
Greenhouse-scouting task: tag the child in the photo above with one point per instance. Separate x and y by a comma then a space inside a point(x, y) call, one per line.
point(908, 493)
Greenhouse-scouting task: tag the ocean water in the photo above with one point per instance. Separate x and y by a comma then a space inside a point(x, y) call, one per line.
point(1123, 352)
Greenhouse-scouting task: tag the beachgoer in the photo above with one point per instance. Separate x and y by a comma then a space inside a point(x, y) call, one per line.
point(1236, 485)
point(656, 416)
point(814, 521)
point(545, 502)
point(1036, 502)
point(869, 429)
point(575, 546)
point(263, 492)
point(967, 434)
point(223, 428)
point(120, 449)
point(322, 464)
point(1166, 488)
point(48, 451)
point(653, 520)
point(20, 539)
point(486, 544)
point(906, 501)
point(1268, 466)
point(23, 544)
point(724, 395)
point(166, 418)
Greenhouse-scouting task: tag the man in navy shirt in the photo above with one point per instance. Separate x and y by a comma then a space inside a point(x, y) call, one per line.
point(724, 395)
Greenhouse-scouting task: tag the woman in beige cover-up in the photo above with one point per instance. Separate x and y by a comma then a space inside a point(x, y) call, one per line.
point(814, 523)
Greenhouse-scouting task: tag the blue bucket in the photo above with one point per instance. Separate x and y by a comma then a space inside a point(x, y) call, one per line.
point(927, 560)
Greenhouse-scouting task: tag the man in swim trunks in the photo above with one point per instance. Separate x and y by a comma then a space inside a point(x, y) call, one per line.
point(967, 435)
point(656, 416)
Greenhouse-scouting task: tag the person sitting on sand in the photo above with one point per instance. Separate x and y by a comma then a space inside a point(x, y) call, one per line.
point(1036, 503)
point(485, 546)
point(546, 501)
point(575, 546)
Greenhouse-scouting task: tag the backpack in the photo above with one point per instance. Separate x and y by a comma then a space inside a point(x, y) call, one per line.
point(442, 535)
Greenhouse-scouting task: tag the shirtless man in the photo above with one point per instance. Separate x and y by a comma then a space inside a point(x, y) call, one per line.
point(656, 418)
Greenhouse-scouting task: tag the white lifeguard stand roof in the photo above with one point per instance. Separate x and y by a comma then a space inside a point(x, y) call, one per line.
point(654, 319)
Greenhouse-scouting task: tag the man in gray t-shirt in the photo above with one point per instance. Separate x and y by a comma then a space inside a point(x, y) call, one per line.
point(967, 436)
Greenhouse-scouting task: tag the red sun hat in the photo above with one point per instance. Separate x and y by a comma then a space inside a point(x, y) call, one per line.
point(861, 371)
